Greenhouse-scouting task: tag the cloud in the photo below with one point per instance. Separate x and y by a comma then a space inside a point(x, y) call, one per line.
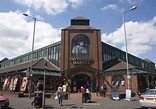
point(16, 37)
point(140, 36)
point(137, 49)
point(111, 7)
point(134, 1)
point(51, 7)
point(76, 3)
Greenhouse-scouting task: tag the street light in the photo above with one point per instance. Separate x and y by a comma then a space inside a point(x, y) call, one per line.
point(123, 16)
point(30, 73)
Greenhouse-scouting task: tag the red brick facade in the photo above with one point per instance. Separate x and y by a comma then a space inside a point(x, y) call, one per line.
point(93, 60)
point(95, 48)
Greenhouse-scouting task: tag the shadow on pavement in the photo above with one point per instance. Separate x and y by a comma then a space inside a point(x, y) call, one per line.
point(48, 106)
point(74, 107)
point(92, 102)
point(10, 108)
point(69, 104)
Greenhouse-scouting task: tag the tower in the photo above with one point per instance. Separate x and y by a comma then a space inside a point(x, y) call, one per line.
point(81, 51)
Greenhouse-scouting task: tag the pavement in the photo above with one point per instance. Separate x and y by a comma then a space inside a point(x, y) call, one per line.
point(73, 101)
point(97, 102)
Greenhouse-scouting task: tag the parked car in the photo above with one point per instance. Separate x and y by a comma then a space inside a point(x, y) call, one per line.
point(4, 102)
point(148, 99)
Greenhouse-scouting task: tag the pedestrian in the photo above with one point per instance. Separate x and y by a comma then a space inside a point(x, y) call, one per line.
point(59, 94)
point(83, 91)
point(101, 91)
point(88, 95)
point(104, 90)
point(74, 87)
point(36, 90)
point(97, 90)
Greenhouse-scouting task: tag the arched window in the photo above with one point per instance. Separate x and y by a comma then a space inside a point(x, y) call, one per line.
point(80, 45)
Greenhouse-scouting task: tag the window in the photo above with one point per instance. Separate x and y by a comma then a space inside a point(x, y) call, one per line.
point(117, 80)
point(80, 45)
point(131, 59)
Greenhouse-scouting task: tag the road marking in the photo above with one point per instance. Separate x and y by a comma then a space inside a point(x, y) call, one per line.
point(92, 104)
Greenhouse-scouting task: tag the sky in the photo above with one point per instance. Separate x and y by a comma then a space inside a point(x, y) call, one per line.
point(16, 30)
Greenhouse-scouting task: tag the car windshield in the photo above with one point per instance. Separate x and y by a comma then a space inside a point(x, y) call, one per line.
point(153, 92)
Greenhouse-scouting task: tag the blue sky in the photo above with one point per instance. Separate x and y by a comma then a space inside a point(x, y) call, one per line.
point(53, 15)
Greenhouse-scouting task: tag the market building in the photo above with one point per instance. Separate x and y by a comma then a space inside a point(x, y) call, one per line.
point(79, 59)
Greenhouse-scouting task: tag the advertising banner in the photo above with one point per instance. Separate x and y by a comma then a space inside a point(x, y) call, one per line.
point(11, 84)
point(24, 84)
point(128, 94)
point(5, 82)
point(15, 84)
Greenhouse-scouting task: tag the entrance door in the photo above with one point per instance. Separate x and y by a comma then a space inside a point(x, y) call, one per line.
point(81, 80)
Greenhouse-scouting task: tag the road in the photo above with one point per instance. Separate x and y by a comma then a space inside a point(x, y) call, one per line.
point(74, 101)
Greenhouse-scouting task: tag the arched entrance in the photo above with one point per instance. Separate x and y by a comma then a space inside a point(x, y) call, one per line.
point(80, 80)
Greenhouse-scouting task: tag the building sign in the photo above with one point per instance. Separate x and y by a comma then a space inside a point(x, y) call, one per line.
point(78, 60)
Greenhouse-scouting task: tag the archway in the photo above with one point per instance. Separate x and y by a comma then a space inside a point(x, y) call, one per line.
point(80, 80)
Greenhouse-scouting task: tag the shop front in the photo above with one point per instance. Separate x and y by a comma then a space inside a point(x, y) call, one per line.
point(80, 80)
point(16, 79)
point(81, 76)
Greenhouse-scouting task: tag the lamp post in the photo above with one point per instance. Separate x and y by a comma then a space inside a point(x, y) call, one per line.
point(123, 17)
point(30, 73)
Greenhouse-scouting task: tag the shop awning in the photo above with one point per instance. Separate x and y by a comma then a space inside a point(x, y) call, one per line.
point(51, 73)
point(36, 72)
point(123, 72)
point(37, 64)
point(118, 67)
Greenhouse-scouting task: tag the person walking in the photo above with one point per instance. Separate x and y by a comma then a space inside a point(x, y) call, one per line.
point(97, 90)
point(36, 90)
point(83, 91)
point(88, 96)
point(101, 90)
point(59, 94)
point(104, 90)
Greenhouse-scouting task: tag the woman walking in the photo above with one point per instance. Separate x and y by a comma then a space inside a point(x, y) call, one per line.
point(59, 94)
